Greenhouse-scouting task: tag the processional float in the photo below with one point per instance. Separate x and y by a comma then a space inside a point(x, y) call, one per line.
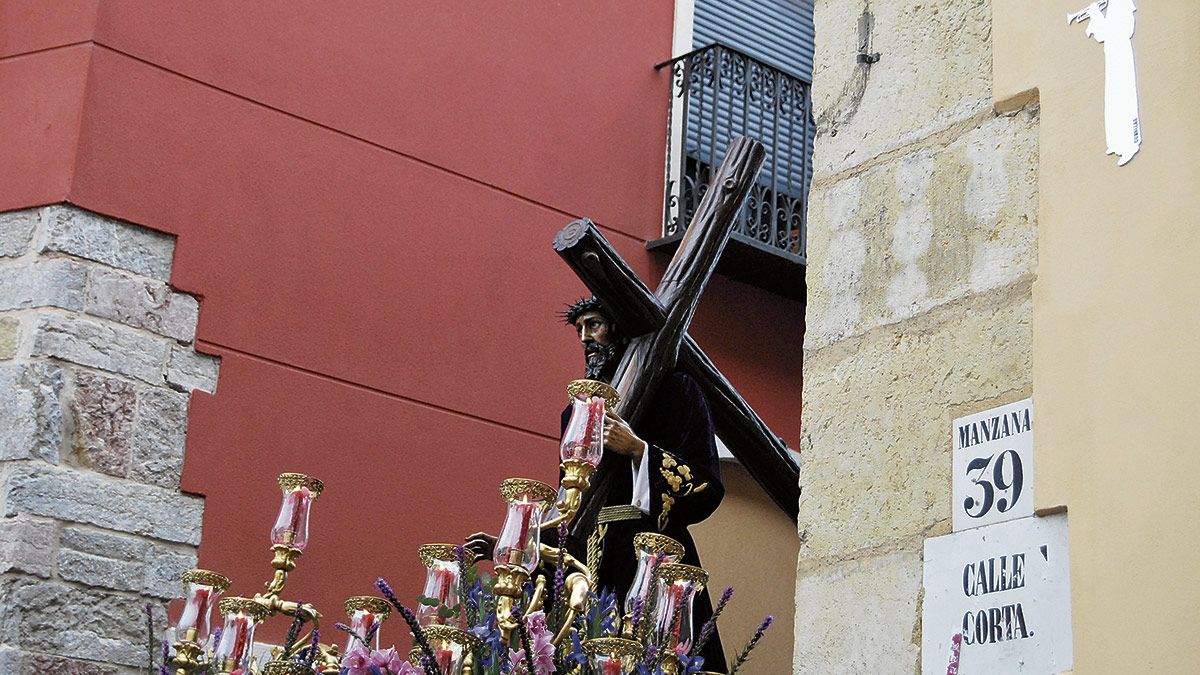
point(540, 612)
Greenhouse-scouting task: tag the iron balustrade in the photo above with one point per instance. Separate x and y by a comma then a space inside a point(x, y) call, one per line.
point(716, 94)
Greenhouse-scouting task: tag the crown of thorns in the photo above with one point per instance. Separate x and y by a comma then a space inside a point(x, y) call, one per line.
point(581, 307)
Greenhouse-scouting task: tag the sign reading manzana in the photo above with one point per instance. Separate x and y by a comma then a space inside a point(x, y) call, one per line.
point(993, 466)
point(997, 591)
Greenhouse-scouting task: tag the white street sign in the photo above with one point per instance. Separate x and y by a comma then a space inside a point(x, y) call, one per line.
point(998, 600)
point(993, 466)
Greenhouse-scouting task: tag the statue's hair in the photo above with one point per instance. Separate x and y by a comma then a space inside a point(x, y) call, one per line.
point(581, 307)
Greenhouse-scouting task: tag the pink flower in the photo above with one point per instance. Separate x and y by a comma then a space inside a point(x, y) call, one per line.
point(542, 647)
point(357, 662)
point(388, 659)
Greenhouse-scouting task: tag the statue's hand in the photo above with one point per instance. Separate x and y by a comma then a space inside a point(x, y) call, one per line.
point(481, 544)
point(619, 437)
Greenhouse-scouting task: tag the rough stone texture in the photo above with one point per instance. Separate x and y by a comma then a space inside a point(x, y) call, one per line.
point(27, 545)
point(877, 443)
point(31, 417)
point(84, 497)
point(934, 70)
point(860, 617)
point(122, 562)
point(94, 570)
point(57, 282)
point(922, 253)
point(158, 437)
point(10, 336)
point(43, 664)
point(112, 242)
point(108, 347)
point(16, 232)
point(104, 410)
point(141, 303)
point(190, 370)
point(74, 623)
point(163, 568)
point(936, 224)
point(90, 333)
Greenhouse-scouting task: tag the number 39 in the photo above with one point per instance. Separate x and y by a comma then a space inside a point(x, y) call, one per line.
point(999, 477)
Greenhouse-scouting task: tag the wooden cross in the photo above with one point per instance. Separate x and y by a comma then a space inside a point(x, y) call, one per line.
point(658, 322)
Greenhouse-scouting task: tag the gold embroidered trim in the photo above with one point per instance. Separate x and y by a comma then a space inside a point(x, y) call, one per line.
point(595, 550)
point(616, 514)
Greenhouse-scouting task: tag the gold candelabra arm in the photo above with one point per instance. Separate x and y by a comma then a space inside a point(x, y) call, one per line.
point(539, 592)
point(283, 561)
point(551, 554)
point(188, 658)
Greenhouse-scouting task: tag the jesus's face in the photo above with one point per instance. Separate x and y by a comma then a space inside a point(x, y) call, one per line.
point(601, 347)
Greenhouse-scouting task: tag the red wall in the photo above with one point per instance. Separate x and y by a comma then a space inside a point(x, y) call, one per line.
point(365, 202)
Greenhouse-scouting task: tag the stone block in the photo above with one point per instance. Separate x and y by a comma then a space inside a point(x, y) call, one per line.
point(190, 370)
point(163, 568)
point(158, 437)
point(141, 303)
point(94, 570)
point(860, 616)
point(877, 417)
point(75, 624)
point(923, 229)
point(107, 544)
point(44, 664)
point(104, 410)
point(112, 242)
point(934, 71)
point(110, 347)
point(56, 282)
point(27, 545)
point(10, 336)
point(84, 497)
point(16, 232)
point(31, 418)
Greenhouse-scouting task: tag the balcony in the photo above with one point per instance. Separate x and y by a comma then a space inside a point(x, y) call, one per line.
point(717, 93)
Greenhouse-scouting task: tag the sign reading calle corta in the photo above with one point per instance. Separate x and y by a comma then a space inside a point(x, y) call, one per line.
point(997, 591)
point(1004, 594)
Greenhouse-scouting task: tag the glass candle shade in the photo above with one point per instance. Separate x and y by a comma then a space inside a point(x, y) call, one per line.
point(522, 533)
point(236, 646)
point(202, 590)
point(450, 648)
point(291, 526)
point(651, 549)
point(443, 582)
point(367, 614)
point(584, 436)
point(677, 586)
point(612, 655)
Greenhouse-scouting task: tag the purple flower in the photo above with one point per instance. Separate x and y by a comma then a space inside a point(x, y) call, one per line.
point(710, 626)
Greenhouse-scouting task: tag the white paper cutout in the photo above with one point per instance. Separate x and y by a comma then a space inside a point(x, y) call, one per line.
point(1111, 23)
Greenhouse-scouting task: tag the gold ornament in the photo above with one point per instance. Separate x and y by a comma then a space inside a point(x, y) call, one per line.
point(219, 582)
point(590, 388)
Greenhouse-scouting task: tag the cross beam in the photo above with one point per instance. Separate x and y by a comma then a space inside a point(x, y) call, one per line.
point(660, 321)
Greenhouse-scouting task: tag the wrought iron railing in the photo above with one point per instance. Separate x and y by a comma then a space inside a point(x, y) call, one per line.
point(717, 93)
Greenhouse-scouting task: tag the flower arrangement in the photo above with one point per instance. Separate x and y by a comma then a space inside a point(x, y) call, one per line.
point(534, 651)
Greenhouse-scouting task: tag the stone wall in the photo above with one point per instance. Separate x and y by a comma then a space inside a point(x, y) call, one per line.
point(96, 369)
point(922, 255)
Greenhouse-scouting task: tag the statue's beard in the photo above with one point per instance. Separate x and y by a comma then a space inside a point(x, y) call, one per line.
point(602, 361)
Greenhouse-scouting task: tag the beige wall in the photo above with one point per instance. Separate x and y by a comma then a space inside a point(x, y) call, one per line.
point(751, 545)
point(922, 255)
point(1116, 358)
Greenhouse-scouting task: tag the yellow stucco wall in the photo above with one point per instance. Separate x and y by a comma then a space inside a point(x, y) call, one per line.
point(751, 545)
point(1116, 326)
